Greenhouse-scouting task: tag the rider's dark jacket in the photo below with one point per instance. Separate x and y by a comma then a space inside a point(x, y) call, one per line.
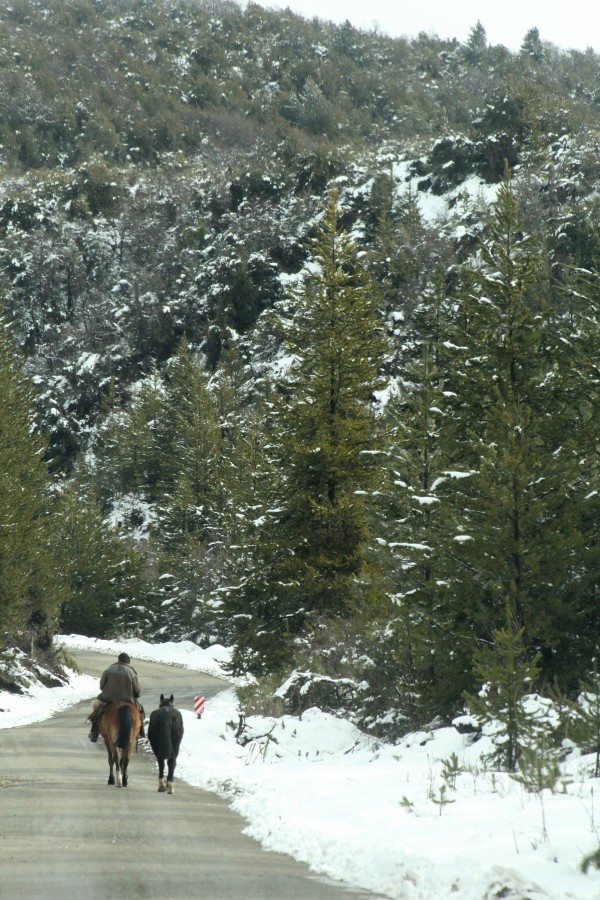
point(119, 682)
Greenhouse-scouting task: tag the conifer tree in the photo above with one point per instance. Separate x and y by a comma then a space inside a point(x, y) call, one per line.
point(476, 46)
point(398, 250)
point(30, 586)
point(252, 492)
point(327, 441)
point(425, 584)
point(532, 47)
point(422, 673)
point(329, 434)
point(506, 675)
point(585, 715)
point(132, 447)
point(190, 499)
point(521, 510)
point(105, 587)
point(190, 487)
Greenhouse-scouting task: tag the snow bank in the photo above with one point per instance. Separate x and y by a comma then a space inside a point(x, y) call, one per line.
point(420, 820)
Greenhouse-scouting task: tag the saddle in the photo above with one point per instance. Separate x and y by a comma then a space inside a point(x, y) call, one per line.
point(98, 710)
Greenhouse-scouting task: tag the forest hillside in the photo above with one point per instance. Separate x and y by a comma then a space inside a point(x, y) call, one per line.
point(299, 352)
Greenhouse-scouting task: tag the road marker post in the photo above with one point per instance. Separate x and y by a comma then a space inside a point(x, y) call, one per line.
point(199, 706)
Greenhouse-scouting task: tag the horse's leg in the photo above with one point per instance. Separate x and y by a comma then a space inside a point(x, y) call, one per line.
point(111, 765)
point(171, 774)
point(162, 781)
point(111, 759)
point(126, 754)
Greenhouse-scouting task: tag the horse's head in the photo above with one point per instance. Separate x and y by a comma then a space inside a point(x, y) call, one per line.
point(166, 701)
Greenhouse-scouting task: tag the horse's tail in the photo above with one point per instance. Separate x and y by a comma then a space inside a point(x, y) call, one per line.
point(125, 727)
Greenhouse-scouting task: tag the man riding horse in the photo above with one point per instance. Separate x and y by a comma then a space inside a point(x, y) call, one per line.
point(118, 682)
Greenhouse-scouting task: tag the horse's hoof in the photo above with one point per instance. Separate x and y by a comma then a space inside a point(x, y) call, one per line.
point(125, 781)
point(111, 780)
point(170, 788)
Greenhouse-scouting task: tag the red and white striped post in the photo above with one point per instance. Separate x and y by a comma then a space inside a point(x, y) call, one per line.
point(199, 706)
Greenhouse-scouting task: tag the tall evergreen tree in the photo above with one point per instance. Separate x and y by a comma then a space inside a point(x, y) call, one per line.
point(476, 45)
point(521, 512)
point(30, 586)
point(191, 484)
point(190, 497)
point(329, 433)
point(328, 445)
point(133, 449)
point(414, 672)
point(532, 47)
point(105, 587)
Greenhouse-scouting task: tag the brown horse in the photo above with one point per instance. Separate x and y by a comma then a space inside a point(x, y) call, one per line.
point(120, 726)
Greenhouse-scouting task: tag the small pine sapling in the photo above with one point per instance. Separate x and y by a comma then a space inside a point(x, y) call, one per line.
point(585, 721)
point(451, 769)
point(442, 798)
point(507, 676)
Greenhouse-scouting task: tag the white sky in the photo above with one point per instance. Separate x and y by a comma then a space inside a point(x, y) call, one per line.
point(573, 25)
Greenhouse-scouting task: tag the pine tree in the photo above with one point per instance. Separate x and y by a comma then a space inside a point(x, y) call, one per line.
point(252, 491)
point(133, 449)
point(190, 498)
point(585, 715)
point(30, 586)
point(532, 47)
point(421, 673)
point(425, 584)
point(398, 252)
point(476, 46)
point(190, 486)
point(329, 434)
point(521, 537)
point(105, 587)
point(327, 441)
point(507, 675)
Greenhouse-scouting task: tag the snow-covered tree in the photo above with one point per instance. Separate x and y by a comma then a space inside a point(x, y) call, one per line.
point(326, 432)
point(522, 510)
point(101, 570)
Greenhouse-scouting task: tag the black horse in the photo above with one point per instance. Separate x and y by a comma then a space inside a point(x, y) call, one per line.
point(165, 732)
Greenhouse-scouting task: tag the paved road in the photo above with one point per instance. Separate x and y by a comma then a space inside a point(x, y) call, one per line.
point(64, 833)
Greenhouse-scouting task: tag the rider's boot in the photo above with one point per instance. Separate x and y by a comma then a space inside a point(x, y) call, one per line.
point(142, 733)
